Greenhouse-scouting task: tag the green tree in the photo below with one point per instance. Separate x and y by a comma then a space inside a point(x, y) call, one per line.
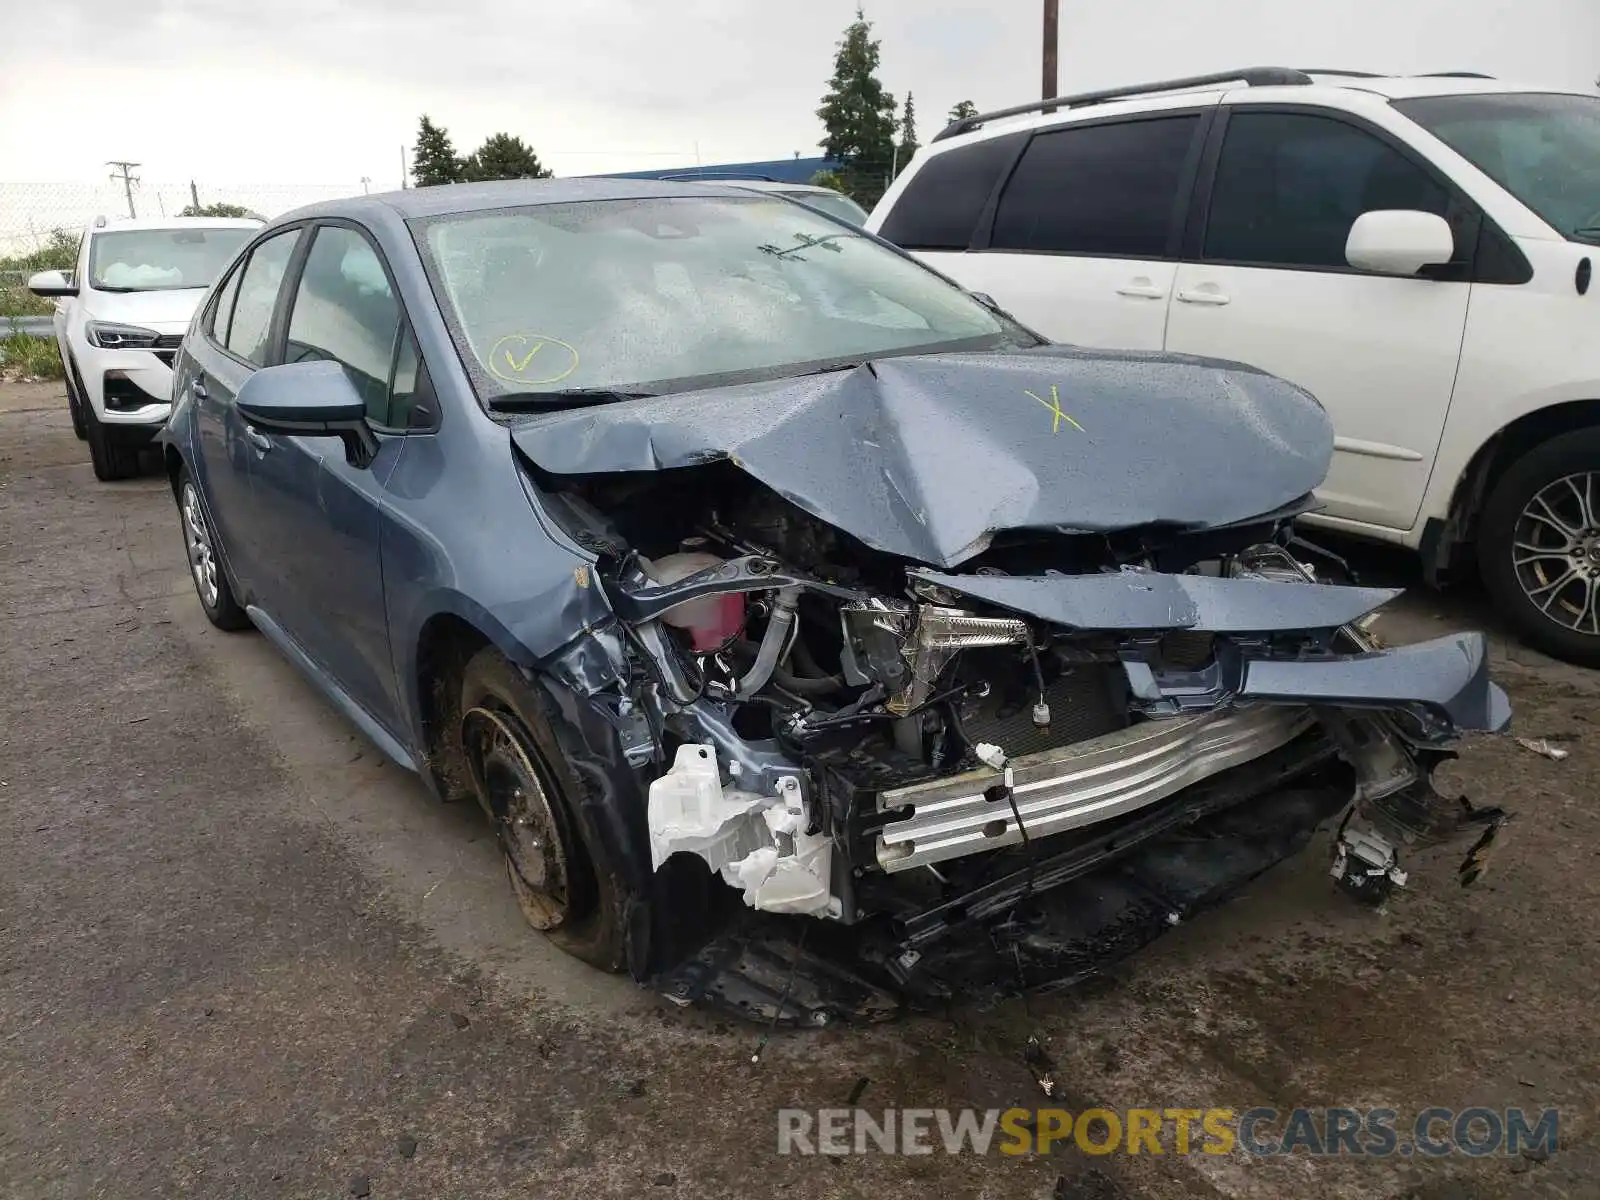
point(859, 115)
point(963, 110)
point(504, 157)
point(828, 179)
point(908, 134)
point(220, 209)
point(433, 159)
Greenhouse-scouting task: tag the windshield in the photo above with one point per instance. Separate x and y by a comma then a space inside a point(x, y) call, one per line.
point(832, 203)
point(159, 260)
point(667, 294)
point(1542, 148)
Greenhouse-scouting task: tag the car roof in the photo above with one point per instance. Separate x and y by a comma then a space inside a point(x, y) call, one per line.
point(123, 224)
point(1330, 86)
point(452, 198)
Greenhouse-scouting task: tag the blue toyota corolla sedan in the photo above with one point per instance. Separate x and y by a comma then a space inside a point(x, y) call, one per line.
point(755, 579)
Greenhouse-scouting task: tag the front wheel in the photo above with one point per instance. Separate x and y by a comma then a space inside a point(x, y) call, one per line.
point(75, 403)
point(563, 878)
point(1539, 546)
point(112, 458)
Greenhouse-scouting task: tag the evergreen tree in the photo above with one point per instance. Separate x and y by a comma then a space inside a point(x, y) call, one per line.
point(963, 110)
point(503, 157)
point(859, 115)
point(220, 209)
point(433, 160)
point(908, 133)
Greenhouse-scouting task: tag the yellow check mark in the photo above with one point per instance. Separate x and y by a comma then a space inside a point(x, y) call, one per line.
point(1054, 405)
point(519, 367)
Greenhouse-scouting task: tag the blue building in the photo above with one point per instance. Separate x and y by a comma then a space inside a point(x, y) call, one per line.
point(781, 170)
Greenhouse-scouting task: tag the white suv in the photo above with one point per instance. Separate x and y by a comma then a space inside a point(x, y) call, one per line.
point(120, 317)
point(1417, 252)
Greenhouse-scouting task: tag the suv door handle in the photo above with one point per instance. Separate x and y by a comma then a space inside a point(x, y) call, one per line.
point(1206, 293)
point(257, 439)
point(1141, 289)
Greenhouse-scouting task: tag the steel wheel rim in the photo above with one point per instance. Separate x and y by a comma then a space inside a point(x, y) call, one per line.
point(1555, 552)
point(529, 829)
point(197, 541)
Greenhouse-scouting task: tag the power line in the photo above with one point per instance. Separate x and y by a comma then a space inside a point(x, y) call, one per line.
point(128, 180)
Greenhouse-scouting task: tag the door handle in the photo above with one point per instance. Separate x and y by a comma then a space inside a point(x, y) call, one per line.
point(1140, 291)
point(1206, 293)
point(257, 439)
point(199, 389)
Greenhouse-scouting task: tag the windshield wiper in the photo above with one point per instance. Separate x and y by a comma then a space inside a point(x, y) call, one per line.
point(561, 398)
point(1586, 231)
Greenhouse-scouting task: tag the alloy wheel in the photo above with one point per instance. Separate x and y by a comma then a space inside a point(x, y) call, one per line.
point(197, 542)
point(1555, 552)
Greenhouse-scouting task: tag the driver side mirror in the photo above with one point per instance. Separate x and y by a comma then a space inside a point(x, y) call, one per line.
point(1398, 241)
point(310, 399)
point(51, 283)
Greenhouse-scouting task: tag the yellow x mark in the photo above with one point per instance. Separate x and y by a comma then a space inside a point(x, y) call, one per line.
point(1054, 405)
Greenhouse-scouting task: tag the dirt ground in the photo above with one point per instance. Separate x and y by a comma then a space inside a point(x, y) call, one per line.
point(240, 955)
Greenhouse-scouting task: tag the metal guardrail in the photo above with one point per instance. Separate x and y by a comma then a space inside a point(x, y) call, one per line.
point(39, 327)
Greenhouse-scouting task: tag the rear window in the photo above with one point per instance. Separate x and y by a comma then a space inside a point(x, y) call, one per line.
point(940, 207)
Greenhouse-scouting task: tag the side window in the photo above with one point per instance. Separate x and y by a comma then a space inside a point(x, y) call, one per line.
point(344, 310)
point(222, 309)
point(251, 327)
point(941, 204)
point(410, 392)
point(1290, 185)
point(1098, 189)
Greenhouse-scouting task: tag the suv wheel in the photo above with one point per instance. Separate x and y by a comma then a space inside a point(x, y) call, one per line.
point(1539, 546)
point(211, 585)
point(561, 874)
point(112, 460)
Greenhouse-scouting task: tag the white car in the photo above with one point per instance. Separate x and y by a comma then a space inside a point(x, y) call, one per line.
point(1417, 252)
point(120, 316)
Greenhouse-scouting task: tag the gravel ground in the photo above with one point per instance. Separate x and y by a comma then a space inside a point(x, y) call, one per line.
point(240, 955)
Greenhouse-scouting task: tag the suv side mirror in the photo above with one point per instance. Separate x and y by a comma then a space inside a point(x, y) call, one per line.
point(310, 399)
point(1398, 241)
point(51, 283)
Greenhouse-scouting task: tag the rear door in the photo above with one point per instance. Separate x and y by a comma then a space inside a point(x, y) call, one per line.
point(1270, 286)
point(236, 337)
point(1081, 240)
point(320, 516)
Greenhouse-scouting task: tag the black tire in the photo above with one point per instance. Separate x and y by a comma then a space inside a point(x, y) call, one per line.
point(112, 460)
point(508, 736)
point(75, 404)
point(221, 606)
point(1511, 574)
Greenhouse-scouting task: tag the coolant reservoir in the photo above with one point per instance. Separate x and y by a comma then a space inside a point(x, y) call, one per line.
point(712, 620)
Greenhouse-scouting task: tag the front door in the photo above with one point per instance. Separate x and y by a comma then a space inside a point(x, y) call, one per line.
point(321, 516)
point(1272, 288)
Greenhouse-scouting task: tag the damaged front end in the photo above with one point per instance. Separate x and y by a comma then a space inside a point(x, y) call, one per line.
point(921, 784)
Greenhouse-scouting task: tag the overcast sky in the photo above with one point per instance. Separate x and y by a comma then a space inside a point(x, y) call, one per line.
point(301, 91)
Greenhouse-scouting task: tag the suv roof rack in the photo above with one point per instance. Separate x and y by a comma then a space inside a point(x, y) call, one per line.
point(1453, 75)
point(713, 175)
point(1250, 76)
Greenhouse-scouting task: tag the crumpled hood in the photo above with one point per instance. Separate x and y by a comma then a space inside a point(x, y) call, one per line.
point(926, 457)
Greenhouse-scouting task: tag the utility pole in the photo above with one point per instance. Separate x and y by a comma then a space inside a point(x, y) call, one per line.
point(194, 196)
point(404, 174)
point(128, 180)
point(365, 181)
point(1052, 43)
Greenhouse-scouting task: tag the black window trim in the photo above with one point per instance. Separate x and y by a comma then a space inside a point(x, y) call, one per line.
point(1478, 222)
point(242, 264)
point(285, 312)
point(1187, 181)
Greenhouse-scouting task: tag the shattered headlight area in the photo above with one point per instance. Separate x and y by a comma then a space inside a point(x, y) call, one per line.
point(868, 783)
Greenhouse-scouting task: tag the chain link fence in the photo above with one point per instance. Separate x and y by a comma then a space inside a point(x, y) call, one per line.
point(30, 212)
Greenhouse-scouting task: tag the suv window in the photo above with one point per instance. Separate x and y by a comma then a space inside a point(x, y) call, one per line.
point(941, 204)
point(345, 310)
point(1290, 185)
point(251, 327)
point(1098, 189)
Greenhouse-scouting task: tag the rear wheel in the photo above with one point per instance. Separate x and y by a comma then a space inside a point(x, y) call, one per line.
point(1539, 546)
point(112, 459)
point(211, 585)
point(563, 879)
